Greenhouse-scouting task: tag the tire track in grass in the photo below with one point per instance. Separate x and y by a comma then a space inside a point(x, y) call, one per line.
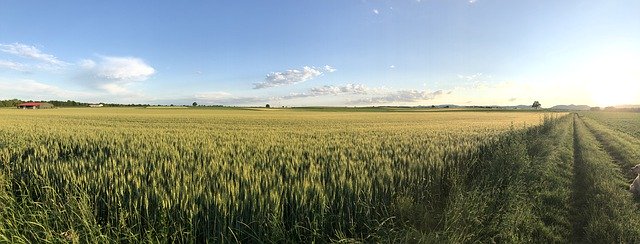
point(578, 199)
point(606, 146)
point(622, 151)
point(602, 210)
point(622, 148)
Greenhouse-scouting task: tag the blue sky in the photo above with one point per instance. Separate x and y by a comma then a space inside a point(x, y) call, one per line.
point(335, 52)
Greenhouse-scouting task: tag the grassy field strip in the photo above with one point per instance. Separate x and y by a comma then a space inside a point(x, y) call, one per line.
point(579, 190)
point(624, 148)
point(623, 122)
point(517, 190)
point(603, 209)
point(550, 179)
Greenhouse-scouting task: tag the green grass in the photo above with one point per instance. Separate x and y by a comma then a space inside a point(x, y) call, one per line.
point(604, 210)
point(624, 122)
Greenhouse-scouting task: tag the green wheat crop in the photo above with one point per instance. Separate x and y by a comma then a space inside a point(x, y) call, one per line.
point(228, 175)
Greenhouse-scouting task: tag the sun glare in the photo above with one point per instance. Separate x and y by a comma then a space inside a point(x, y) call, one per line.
point(612, 79)
point(612, 94)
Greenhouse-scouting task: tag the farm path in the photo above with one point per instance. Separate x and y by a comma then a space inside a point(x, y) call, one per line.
point(578, 196)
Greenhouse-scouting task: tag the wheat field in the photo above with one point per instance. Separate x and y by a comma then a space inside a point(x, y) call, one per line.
point(283, 175)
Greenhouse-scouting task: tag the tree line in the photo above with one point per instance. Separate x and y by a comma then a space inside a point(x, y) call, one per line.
point(10, 103)
point(68, 103)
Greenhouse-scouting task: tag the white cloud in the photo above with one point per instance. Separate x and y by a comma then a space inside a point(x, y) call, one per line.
point(126, 69)
point(34, 90)
point(355, 94)
point(292, 76)
point(229, 99)
point(30, 89)
point(348, 89)
point(402, 96)
point(114, 88)
point(477, 77)
point(31, 52)
point(224, 98)
point(115, 74)
point(472, 1)
point(12, 65)
point(392, 67)
point(212, 95)
point(329, 69)
point(375, 11)
point(28, 86)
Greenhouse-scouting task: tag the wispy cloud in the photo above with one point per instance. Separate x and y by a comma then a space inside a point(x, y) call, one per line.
point(351, 89)
point(225, 98)
point(32, 89)
point(350, 93)
point(476, 80)
point(115, 74)
point(375, 11)
point(329, 69)
point(12, 65)
point(292, 76)
point(348, 89)
point(472, 1)
point(212, 95)
point(31, 52)
point(402, 96)
point(477, 77)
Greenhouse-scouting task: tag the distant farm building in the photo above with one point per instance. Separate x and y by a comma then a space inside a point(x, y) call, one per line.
point(96, 105)
point(33, 105)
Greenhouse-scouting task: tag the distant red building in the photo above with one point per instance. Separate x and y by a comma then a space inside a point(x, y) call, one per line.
point(34, 105)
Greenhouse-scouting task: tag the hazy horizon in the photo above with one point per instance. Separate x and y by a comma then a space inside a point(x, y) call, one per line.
point(323, 53)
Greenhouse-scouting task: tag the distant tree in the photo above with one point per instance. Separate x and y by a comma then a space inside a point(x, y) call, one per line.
point(10, 103)
point(595, 109)
point(195, 104)
point(536, 105)
point(268, 106)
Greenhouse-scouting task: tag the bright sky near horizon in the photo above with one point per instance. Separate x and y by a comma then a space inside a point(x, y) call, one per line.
point(331, 53)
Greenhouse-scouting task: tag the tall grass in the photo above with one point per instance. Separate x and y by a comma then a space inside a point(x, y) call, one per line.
point(515, 190)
